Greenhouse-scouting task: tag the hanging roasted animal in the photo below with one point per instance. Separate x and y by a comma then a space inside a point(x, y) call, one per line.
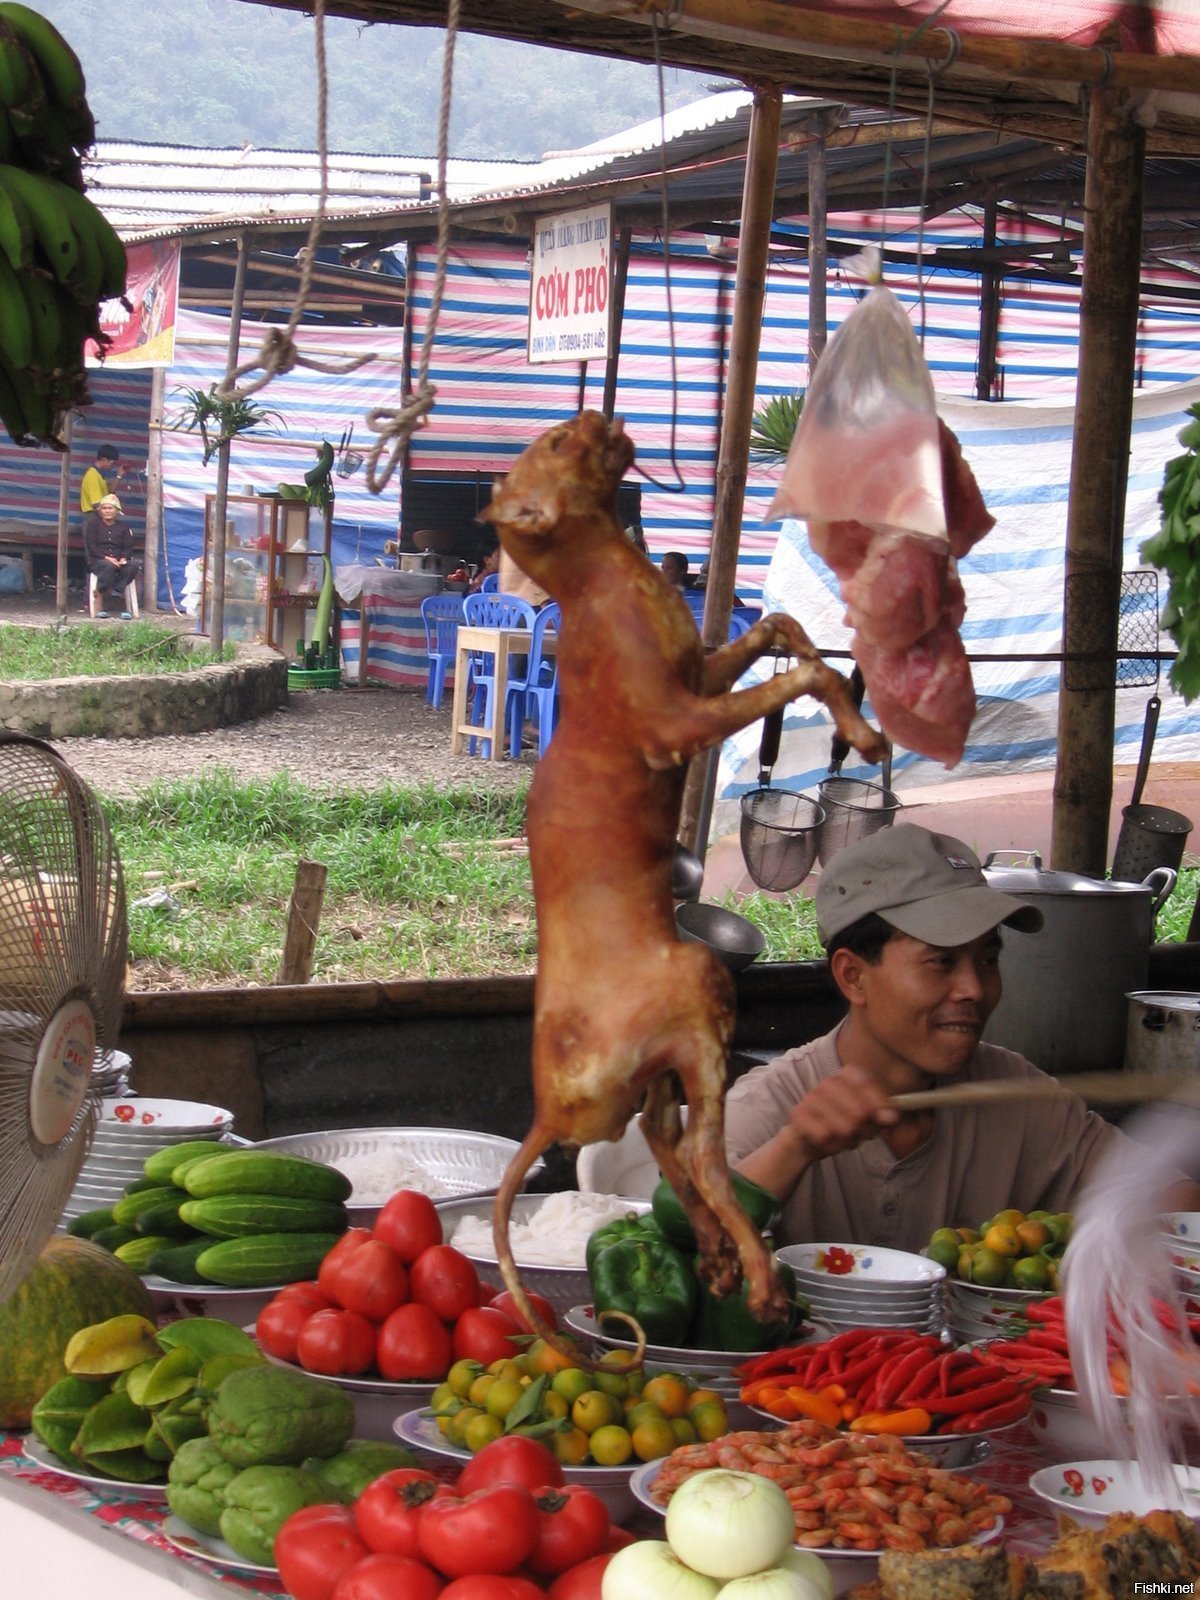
point(624, 1010)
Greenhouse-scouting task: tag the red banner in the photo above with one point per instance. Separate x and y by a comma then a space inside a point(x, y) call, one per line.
point(143, 335)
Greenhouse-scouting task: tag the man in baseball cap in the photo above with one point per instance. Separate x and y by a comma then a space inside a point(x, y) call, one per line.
point(913, 933)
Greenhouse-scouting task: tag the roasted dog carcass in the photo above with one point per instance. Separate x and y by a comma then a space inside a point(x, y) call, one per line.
point(624, 1010)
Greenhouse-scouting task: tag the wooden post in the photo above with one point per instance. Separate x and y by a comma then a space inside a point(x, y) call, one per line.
point(1099, 470)
point(818, 237)
point(758, 195)
point(304, 918)
point(154, 479)
point(216, 566)
point(64, 514)
point(617, 317)
point(989, 310)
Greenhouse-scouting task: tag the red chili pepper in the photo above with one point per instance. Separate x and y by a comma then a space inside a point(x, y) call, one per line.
point(974, 1377)
point(976, 1399)
point(770, 1361)
point(997, 1416)
point(905, 1371)
point(1047, 1339)
point(869, 1358)
point(1046, 1311)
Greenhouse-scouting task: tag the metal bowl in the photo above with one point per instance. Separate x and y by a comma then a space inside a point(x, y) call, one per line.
point(687, 874)
point(734, 939)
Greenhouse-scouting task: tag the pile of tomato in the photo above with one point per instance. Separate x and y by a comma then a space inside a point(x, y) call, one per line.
point(509, 1528)
point(395, 1301)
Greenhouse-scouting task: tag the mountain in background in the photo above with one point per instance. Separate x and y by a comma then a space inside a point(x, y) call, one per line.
point(226, 73)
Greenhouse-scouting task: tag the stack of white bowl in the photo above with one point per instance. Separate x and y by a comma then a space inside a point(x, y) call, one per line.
point(127, 1131)
point(865, 1286)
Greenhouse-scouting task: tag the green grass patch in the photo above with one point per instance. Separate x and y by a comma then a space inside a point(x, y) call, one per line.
point(423, 883)
point(105, 651)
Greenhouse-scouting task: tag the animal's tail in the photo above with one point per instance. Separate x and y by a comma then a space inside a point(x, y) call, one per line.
point(510, 1185)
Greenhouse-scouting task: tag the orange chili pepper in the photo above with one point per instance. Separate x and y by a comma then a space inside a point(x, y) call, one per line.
point(834, 1391)
point(751, 1393)
point(912, 1420)
point(820, 1407)
point(849, 1409)
point(1118, 1372)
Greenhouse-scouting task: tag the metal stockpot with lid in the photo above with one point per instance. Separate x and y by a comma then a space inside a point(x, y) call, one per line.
point(1064, 1005)
point(1163, 1032)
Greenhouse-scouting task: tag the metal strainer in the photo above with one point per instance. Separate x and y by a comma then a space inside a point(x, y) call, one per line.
point(779, 828)
point(854, 809)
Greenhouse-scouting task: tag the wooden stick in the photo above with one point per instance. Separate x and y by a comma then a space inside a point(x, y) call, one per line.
point(1110, 1088)
point(304, 916)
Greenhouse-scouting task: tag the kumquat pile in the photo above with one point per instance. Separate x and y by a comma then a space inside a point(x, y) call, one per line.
point(884, 1380)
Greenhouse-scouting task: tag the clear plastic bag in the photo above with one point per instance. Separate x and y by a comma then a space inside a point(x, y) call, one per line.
point(867, 449)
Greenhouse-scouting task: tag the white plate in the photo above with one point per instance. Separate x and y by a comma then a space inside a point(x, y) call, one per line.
point(645, 1475)
point(206, 1291)
point(841, 1263)
point(581, 1320)
point(135, 1115)
point(37, 1451)
point(610, 1483)
point(411, 1394)
point(1090, 1491)
point(194, 1543)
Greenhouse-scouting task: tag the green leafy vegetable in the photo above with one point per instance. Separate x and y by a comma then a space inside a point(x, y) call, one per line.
point(1175, 550)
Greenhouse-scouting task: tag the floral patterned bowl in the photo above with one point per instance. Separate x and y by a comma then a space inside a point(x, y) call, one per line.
point(1090, 1491)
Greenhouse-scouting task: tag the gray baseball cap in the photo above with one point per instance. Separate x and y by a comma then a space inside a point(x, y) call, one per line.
point(927, 885)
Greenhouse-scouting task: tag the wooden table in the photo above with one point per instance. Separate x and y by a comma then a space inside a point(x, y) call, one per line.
point(503, 643)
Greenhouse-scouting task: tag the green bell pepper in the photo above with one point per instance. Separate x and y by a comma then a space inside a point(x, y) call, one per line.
point(650, 1281)
point(729, 1324)
point(633, 1225)
point(759, 1204)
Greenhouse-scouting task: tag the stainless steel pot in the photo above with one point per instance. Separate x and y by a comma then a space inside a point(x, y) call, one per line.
point(1163, 1031)
point(420, 561)
point(1064, 1005)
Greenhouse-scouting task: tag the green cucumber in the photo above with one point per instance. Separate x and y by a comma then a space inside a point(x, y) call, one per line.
point(111, 1238)
point(177, 1262)
point(163, 1217)
point(139, 1253)
point(160, 1167)
point(130, 1207)
point(242, 1216)
point(90, 1223)
point(268, 1259)
point(250, 1171)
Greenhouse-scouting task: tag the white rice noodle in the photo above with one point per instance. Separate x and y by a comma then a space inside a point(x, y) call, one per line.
point(555, 1235)
point(1117, 1265)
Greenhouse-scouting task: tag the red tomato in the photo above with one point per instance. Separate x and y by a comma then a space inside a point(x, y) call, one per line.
point(444, 1280)
point(487, 1293)
point(314, 1548)
point(512, 1459)
point(485, 1335)
point(617, 1539)
point(336, 1343)
point(491, 1586)
point(346, 1245)
point(581, 1582)
point(574, 1526)
point(279, 1324)
point(540, 1305)
point(410, 1224)
point(414, 1344)
point(308, 1294)
point(388, 1510)
point(491, 1531)
point(370, 1280)
point(384, 1577)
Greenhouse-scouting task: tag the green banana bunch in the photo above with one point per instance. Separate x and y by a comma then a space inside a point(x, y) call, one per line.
point(43, 95)
point(1175, 549)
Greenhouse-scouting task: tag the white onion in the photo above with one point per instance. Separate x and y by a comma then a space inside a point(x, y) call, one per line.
point(776, 1583)
point(728, 1524)
point(812, 1567)
point(650, 1570)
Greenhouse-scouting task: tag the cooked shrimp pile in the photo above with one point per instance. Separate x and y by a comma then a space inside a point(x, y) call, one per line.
point(848, 1491)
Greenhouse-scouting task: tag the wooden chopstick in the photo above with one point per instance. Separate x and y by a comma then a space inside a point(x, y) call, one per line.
point(1110, 1088)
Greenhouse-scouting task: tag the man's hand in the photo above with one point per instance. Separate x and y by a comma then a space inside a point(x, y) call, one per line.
point(113, 562)
point(841, 1112)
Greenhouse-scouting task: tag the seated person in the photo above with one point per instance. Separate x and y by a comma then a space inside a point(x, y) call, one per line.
point(675, 569)
point(108, 551)
point(489, 564)
point(912, 932)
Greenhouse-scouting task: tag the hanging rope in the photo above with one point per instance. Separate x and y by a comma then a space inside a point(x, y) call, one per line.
point(396, 427)
point(278, 352)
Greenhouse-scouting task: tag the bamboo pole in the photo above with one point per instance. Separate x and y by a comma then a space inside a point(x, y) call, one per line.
point(818, 236)
point(1099, 470)
point(64, 514)
point(216, 615)
point(154, 498)
point(989, 310)
point(620, 282)
point(758, 196)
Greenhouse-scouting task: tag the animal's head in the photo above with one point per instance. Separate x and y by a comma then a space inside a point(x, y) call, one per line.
point(570, 472)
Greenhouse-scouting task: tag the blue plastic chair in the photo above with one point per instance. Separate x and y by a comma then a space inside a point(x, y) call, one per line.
point(490, 584)
point(541, 684)
point(441, 614)
point(495, 611)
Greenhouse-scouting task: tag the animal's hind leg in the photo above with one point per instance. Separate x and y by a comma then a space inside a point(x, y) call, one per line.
point(693, 1162)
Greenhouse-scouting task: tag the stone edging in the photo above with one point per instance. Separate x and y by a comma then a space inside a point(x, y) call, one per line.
point(151, 704)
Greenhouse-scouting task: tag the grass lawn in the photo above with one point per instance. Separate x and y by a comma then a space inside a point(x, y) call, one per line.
point(422, 884)
point(106, 651)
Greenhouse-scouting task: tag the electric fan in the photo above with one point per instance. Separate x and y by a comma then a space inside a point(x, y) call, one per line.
point(63, 940)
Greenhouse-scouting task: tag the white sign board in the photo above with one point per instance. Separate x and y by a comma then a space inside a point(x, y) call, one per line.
point(568, 290)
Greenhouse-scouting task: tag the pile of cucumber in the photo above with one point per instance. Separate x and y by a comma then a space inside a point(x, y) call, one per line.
point(209, 1213)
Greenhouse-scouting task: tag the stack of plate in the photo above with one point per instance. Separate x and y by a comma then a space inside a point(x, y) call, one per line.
point(127, 1131)
point(974, 1312)
point(864, 1286)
